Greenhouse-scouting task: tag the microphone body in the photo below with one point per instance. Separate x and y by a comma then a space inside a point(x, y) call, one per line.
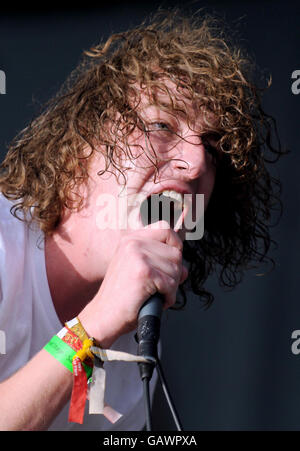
point(148, 332)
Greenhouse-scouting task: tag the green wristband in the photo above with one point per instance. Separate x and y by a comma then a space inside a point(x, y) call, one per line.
point(64, 354)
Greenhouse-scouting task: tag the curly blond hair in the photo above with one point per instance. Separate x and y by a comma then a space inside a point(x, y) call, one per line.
point(47, 161)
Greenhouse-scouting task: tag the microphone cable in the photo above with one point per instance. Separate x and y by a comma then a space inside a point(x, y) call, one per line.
point(147, 402)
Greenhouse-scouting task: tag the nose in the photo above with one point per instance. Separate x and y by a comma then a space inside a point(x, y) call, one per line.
point(190, 160)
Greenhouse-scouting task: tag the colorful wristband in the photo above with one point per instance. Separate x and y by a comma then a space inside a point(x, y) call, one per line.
point(64, 346)
point(61, 352)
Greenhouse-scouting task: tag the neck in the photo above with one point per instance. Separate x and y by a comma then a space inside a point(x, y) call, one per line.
point(71, 283)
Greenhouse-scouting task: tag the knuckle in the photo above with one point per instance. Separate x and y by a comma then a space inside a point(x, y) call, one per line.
point(142, 269)
point(165, 225)
point(179, 245)
point(172, 283)
point(177, 255)
point(129, 244)
point(176, 269)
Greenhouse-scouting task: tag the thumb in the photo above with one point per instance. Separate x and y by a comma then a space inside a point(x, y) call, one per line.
point(158, 225)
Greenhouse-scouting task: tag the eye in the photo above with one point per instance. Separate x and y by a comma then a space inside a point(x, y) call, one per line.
point(160, 126)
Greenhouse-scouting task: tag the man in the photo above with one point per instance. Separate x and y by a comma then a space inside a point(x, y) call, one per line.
point(165, 107)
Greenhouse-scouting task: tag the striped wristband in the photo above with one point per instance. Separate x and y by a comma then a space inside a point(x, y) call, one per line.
point(67, 343)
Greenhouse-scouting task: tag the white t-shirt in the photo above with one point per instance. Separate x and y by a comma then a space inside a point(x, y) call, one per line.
point(28, 320)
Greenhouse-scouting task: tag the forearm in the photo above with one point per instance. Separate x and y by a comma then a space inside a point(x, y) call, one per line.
point(33, 397)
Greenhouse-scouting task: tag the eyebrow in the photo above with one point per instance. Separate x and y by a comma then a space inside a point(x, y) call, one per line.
point(177, 112)
point(170, 107)
point(208, 134)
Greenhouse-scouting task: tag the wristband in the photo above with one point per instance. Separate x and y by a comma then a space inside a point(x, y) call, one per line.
point(62, 352)
point(67, 342)
point(77, 328)
point(83, 357)
point(71, 347)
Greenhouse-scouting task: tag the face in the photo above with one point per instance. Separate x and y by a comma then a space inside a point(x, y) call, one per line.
point(185, 165)
point(185, 157)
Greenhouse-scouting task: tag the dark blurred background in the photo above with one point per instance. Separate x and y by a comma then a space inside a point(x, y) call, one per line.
point(229, 367)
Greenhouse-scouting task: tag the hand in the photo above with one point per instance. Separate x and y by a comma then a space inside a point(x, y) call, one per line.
point(145, 261)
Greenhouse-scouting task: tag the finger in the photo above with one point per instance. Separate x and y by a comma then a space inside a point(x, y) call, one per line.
point(162, 231)
point(170, 268)
point(170, 300)
point(161, 250)
point(167, 286)
point(184, 275)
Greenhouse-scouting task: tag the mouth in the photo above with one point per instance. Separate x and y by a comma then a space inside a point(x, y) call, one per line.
point(165, 206)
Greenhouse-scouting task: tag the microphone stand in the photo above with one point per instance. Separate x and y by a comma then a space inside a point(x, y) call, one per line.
point(147, 337)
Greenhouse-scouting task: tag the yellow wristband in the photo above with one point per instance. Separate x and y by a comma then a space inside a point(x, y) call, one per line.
point(78, 329)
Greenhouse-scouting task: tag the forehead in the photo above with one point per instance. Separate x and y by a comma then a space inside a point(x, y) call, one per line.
point(176, 100)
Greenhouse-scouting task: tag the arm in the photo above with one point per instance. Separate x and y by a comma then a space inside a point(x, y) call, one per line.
point(34, 395)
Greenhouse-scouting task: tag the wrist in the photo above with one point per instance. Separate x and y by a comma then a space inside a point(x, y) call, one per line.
point(96, 327)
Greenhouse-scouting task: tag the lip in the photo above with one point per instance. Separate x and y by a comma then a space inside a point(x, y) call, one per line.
point(180, 188)
point(174, 186)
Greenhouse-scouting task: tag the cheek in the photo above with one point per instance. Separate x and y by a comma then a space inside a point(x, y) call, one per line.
point(206, 184)
point(140, 163)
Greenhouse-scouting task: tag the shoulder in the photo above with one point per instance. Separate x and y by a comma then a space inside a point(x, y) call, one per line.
point(5, 206)
point(13, 237)
point(11, 228)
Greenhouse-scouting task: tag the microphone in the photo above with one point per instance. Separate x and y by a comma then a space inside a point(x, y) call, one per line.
point(148, 333)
